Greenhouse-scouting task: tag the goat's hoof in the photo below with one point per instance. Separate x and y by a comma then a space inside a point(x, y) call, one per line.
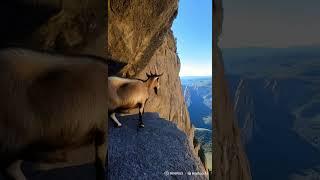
point(117, 126)
point(141, 125)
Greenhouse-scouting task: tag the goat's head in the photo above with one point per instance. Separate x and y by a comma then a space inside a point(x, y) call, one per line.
point(154, 81)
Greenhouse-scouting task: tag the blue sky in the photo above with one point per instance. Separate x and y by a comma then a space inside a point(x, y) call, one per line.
point(193, 30)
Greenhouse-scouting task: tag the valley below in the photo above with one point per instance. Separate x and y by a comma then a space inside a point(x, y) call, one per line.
point(198, 96)
point(276, 96)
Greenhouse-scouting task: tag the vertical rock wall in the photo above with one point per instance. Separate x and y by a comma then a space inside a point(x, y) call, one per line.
point(229, 158)
point(170, 100)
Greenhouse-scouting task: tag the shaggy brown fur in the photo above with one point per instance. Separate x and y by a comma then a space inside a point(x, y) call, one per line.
point(50, 103)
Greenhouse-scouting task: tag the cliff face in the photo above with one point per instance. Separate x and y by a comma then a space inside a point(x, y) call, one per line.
point(245, 116)
point(229, 158)
point(276, 114)
point(139, 36)
point(136, 29)
point(247, 97)
point(170, 101)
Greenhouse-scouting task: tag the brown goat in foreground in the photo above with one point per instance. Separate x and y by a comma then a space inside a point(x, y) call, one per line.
point(126, 94)
point(51, 105)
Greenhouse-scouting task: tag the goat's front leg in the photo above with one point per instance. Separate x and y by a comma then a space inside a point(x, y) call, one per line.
point(114, 118)
point(141, 111)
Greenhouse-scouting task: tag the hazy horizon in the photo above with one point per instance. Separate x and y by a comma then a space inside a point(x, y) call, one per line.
point(278, 24)
point(270, 47)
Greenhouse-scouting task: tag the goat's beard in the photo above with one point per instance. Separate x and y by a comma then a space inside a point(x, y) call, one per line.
point(155, 90)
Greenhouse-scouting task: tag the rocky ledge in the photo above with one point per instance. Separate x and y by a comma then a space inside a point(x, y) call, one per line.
point(150, 152)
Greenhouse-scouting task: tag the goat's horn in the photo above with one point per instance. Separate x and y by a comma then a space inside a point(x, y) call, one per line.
point(149, 74)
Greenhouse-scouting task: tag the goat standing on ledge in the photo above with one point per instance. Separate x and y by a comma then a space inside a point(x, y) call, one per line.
point(126, 94)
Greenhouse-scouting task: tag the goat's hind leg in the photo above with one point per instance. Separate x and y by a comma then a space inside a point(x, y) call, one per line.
point(125, 113)
point(114, 118)
point(141, 110)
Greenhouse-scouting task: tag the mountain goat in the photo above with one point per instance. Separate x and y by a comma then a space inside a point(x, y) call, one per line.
point(126, 94)
point(51, 103)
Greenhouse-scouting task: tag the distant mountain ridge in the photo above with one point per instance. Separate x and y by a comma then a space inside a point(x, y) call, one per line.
point(272, 62)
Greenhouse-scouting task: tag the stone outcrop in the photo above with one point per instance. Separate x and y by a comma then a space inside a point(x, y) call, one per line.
point(230, 161)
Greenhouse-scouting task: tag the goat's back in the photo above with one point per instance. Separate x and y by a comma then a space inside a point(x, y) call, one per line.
point(49, 101)
point(126, 93)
